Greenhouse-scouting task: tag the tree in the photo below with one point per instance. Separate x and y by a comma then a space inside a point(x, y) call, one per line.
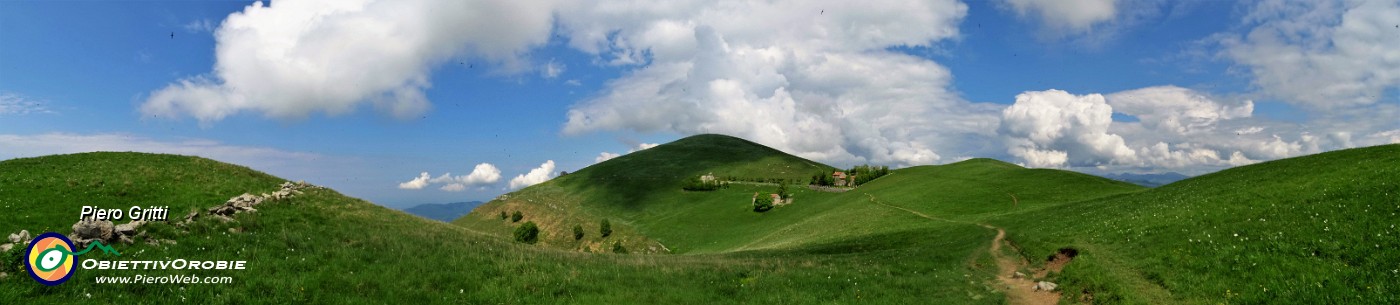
point(578, 232)
point(605, 228)
point(783, 191)
point(762, 204)
point(527, 232)
point(515, 217)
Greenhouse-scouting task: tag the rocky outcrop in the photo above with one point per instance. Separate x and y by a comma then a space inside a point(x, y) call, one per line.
point(16, 240)
point(247, 203)
point(87, 230)
point(1045, 286)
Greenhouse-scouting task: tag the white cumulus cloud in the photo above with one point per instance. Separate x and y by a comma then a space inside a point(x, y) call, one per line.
point(482, 174)
point(1321, 54)
point(1177, 129)
point(417, 183)
point(783, 74)
point(1071, 15)
point(1054, 128)
point(604, 156)
point(1175, 109)
point(535, 176)
point(288, 59)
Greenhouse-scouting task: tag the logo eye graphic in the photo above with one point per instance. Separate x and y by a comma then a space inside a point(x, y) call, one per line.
point(50, 258)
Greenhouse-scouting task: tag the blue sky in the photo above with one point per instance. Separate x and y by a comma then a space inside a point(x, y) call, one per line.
point(303, 92)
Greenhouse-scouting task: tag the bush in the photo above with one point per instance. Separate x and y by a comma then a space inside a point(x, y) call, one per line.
point(762, 204)
point(618, 248)
point(578, 232)
point(527, 233)
point(515, 217)
point(503, 215)
point(605, 228)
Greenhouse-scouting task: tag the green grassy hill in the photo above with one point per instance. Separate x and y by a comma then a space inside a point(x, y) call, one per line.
point(1313, 229)
point(322, 247)
point(1317, 229)
point(635, 188)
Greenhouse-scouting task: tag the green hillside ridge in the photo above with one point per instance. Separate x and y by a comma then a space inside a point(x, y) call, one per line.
point(659, 215)
point(38, 194)
point(1311, 229)
point(1318, 229)
point(640, 186)
point(323, 247)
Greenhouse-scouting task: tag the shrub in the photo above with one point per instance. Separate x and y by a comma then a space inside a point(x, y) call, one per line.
point(605, 228)
point(515, 217)
point(762, 204)
point(618, 248)
point(503, 215)
point(578, 232)
point(528, 232)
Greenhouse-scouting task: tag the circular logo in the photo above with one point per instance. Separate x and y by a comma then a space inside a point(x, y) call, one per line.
point(49, 258)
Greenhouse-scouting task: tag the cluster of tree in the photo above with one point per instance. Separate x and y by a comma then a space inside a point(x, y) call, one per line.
point(823, 179)
point(865, 173)
point(697, 184)
point(857, 175)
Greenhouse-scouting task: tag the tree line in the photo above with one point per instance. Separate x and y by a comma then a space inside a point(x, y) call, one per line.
point(861, 173)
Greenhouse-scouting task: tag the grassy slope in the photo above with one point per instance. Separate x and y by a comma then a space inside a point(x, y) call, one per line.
point(46, 194)
point(975, 189)
point(322, 247)
point(721, 222)
point(1317, 229)
point(632, 189)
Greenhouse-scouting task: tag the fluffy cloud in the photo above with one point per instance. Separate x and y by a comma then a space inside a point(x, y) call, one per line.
point(482, 174)
point(1321, 54)
point(535, 176)
point(1177, 110)
point(289, 59)
point(820, 85)
point(1071, 16)
point(1054, 128)
point(1177, 129)
point(604, 156)
point(416, 183)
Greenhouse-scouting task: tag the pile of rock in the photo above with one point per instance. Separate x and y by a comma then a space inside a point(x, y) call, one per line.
point(16, 240)
point(248, 202)
point(20, 239)
point(87, 230)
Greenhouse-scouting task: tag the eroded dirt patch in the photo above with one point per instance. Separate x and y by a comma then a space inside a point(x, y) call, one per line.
point(1056, 262)
point(1020, 289)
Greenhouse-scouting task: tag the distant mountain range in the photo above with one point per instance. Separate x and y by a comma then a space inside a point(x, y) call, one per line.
point(443, 211)
point(1148, 180)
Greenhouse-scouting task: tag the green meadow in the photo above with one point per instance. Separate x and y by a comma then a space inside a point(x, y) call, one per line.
point(1313, 229)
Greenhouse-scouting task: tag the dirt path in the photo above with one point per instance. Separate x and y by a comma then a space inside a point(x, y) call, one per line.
point(1019, 290)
